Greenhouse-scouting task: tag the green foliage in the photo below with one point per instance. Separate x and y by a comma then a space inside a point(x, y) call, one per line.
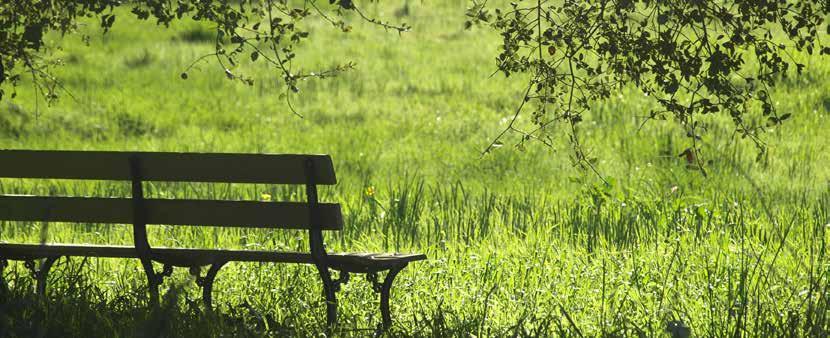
point(693, 57)
point(243, 29)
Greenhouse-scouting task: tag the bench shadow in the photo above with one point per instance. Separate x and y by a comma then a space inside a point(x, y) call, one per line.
point(77, 307)
point(90, 312)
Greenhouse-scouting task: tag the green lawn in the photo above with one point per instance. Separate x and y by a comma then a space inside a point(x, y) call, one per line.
point(519, 242)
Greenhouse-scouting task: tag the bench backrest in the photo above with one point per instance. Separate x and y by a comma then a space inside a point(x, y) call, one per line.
point(173, 167)
point(308, 170)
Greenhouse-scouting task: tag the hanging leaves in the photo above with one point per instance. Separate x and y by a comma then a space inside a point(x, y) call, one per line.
point(263, 30)
point(691, 57)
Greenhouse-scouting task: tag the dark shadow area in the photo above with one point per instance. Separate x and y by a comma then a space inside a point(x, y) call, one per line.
point(80, 314)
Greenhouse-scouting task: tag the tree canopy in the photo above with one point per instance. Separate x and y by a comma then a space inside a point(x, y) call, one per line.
point(693, 57)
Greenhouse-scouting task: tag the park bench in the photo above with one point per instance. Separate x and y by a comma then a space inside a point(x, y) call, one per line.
point(138, 167)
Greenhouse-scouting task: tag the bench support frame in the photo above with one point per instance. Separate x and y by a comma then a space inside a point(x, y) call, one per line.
point(3, 286)
point(206, 281)
point(318, 249)
point(142, 245)
point(41, 273)
point(384, 289)
point(331, 286)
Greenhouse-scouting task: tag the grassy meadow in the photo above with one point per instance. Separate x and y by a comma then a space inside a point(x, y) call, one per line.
point(520, 242)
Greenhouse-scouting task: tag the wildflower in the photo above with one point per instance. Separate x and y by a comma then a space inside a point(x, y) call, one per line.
point(370, 191)
point(266, 197)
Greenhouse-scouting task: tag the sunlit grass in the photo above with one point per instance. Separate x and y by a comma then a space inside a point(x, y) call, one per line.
point(519, 243)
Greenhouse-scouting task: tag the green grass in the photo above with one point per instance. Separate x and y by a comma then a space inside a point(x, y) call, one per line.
point(519, 242)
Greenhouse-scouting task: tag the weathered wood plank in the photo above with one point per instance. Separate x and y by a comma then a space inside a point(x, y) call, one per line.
point(284, 215)
point(166, 166)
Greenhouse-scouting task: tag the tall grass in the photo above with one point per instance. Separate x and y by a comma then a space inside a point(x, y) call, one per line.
point(519, 242)
point(500, 265)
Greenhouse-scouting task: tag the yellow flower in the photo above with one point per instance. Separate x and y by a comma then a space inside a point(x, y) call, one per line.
point(370, 191)
point(266, 197)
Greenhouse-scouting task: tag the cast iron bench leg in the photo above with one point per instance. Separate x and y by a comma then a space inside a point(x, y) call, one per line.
point(3, 287)
point(41, 273)
point(206, 282)
point(330, 288)
point(385, 289)
point(331, 297)
point(155, 279)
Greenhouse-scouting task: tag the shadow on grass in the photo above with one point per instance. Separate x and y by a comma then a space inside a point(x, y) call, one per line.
point(89, 313)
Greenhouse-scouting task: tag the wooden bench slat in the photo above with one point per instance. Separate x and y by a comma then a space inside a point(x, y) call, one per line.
point(284, 215)
point(166, 166)
point(353, 262)
point(27, 251)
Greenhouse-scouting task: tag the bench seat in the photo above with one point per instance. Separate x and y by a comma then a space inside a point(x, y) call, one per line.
point(348, 262)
